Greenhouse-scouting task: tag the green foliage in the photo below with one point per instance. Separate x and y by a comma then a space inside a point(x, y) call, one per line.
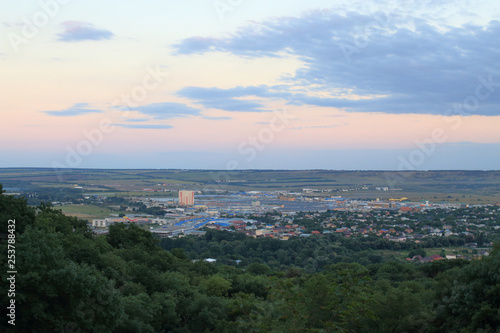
point(259, 269)
point(432, 269)
point(338, 301)
point(55, 293)
point(417, 252)
point(12, 208)
point(397, 272)
point(405, 308)
point(216, 286)
point(471, 299)
point(70, 280)
point(129, 235)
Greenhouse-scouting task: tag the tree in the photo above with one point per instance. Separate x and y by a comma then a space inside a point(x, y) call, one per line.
point(417, 252)
point(124, 236)
point(217, 286)
point(405, 308)
point(15, 209)
point(55, 294)
point(340, 300)
point(259, 269)
point(470, 299)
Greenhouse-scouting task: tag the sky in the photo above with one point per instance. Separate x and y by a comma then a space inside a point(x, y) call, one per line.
point(240, 84)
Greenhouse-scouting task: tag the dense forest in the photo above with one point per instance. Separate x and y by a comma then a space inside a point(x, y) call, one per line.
point(69, 280)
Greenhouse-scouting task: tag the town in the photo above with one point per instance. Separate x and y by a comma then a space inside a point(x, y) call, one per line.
point(282, 215)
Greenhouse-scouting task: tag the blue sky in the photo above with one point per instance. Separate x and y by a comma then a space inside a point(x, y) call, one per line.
point(221, 84)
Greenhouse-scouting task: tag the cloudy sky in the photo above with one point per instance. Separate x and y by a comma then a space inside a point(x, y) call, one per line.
point(240, 84)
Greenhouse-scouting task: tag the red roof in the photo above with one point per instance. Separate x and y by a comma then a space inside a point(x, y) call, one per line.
point(436, 257)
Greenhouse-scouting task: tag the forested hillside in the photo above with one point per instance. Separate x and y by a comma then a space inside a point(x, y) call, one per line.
point(69, 280)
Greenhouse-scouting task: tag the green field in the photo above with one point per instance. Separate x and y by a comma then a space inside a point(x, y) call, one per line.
point(436, 186)
point(90, 211)
point(403, 254)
